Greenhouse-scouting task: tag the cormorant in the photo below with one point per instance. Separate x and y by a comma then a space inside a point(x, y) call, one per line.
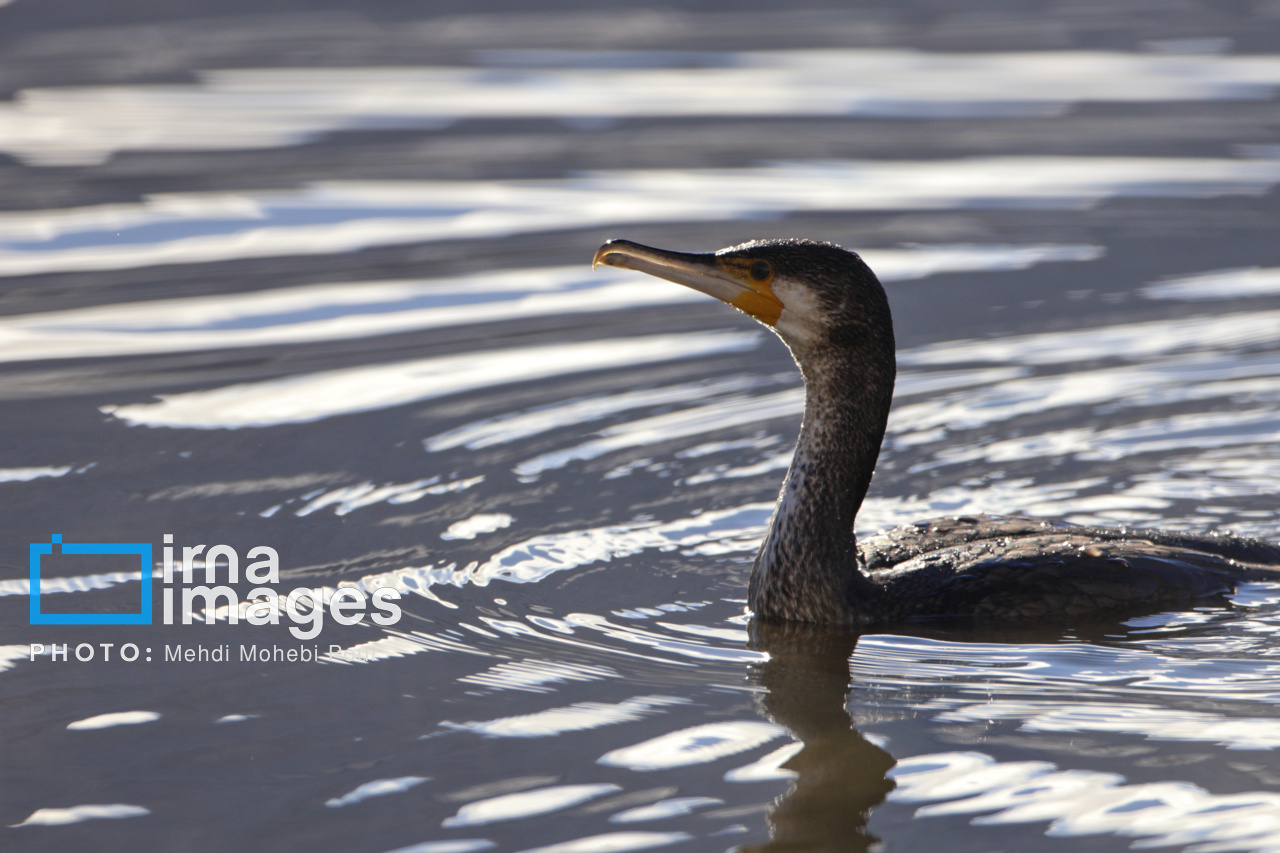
point(831, 312)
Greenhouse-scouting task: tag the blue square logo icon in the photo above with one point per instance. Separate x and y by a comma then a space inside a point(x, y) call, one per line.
point(145, 568)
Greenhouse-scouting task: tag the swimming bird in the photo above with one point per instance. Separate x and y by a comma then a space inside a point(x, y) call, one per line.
point(829, 309)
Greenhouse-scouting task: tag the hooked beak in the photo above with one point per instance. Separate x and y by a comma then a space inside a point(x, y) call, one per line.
point(704, 273)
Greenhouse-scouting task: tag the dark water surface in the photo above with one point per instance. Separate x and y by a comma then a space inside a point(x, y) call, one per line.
point(320, 282)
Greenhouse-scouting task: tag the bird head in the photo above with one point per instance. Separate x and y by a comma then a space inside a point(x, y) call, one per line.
point(818, 297)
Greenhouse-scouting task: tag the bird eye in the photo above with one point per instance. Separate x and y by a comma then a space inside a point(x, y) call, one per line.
point(761, 270)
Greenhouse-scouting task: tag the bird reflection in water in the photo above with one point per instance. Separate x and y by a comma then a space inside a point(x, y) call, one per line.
point(840, 775)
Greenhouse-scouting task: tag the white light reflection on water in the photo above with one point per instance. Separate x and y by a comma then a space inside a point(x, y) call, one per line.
point(1133, 342)
point(535, 676)
point(26, 475)
point(512, 427)
point(74, 583)
point(664, 809)
point(1077, 689)
point(777, 462)
point(323, 312)
point(118, 718)
point(526, 804)
point(1085, 802)
point(77, 814)
point(376, 788)
point(470, 528)
point(11, 654)
point(1149, 721)
point(421, 580)
point(691, 649)
point(346, 216)
point(1181, 360)
point(720, 531)
point(1173, 432)
point(768, 767)
point(368, 308)
point(723, 414)
point(348, 499)
point(576, 717)
point(1087, 501)
point(312, 397)
point(453, 845)
point(258, 108)
point(1177, 432)
point(695, 745)
point(1220, 284)
point(533, 559)
point(614, 842)
point(1068, 669)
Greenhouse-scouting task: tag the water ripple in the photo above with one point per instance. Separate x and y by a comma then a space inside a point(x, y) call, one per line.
point(1220, 284)
point(77, 814)
point(271, 107)
point(1149, 721)
point(348, 216)
point(577, 717)
point(376, 788)
point(614, 842)
point(695, 745)
point(315, 396)
point(1061, 670)
point(118, 718)
point(1084, 802)
point(526, 804)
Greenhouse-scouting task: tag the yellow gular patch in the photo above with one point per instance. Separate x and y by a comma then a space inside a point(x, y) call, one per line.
point(759, 301)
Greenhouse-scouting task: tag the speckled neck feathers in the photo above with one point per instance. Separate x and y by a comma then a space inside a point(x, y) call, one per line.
point(807, 568)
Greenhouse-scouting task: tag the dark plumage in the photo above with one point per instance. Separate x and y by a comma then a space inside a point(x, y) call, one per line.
point(830, 310)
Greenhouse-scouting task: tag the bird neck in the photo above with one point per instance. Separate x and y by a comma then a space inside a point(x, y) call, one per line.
point(807, 568)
